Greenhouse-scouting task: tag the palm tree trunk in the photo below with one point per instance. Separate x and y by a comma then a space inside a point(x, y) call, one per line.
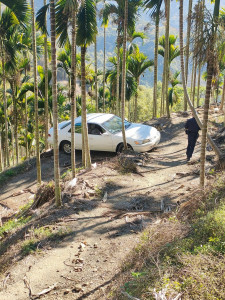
point(104, 57)
point(55, 108)
point(96, 78)
point(5, 108)
point(213, 145)
point(123, 88)
point(166, 58)
point(13, 144)
point(162, 110)
point(46, 84)
point(156, 65)
point(73, 93)
point(205, 118)
point(188, 47)
point(26, 122)
point(118, 76)
point(135, 99)
point(223, 94)
point(194, 82)
point(15, 121)
point(84, 108)
point(38, 160)
point(199, 82)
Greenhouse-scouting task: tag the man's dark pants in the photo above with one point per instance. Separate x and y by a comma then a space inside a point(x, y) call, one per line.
point(192, 138)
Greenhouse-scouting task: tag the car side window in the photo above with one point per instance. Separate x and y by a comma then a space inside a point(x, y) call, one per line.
point(95, 129)
point(77, 129)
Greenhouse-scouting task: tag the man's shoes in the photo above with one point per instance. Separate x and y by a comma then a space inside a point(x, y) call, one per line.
point(188, 158)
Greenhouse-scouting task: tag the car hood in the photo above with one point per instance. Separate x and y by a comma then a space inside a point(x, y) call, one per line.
point(139, 131)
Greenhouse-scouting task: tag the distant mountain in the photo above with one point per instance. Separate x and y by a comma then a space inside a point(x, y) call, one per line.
point(148, 46)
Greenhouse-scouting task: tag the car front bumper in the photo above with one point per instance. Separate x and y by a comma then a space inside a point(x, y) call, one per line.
point(148, 146)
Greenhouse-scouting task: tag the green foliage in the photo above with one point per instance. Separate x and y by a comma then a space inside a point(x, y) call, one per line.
point(42, 235)
point(9, 226)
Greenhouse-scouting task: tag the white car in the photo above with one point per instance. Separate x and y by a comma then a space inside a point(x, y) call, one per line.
point(105, 134)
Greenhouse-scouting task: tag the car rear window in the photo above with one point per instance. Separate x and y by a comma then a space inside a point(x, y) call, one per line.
point(77, 128)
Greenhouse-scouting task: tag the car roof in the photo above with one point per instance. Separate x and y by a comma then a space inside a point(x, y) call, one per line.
point(98, 118)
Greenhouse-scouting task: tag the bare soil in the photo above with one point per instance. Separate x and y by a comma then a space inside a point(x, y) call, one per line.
point(103, 217)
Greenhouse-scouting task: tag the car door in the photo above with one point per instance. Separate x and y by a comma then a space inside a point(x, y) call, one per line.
point(99, 138)
point(78, 136)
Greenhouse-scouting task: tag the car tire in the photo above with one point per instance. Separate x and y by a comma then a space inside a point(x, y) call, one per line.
point(66, 147)
point(120, 148)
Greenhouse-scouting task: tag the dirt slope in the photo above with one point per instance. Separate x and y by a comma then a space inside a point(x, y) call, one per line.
point(102, 233)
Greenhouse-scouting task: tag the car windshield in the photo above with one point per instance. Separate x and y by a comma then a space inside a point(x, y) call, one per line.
point(114, 124)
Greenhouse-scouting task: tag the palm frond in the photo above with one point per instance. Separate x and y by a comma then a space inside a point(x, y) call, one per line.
point(18, 7)
point(40, 19)
point(87, 25)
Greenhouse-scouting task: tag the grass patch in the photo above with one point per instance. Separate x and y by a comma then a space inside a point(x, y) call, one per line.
point(11, 225)
point(177, 259)
point(43, 236)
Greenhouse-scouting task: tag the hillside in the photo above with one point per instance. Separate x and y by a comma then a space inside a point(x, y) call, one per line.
point(76, 252)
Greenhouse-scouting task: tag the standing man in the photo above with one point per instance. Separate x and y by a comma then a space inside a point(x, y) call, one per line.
point(191, 129)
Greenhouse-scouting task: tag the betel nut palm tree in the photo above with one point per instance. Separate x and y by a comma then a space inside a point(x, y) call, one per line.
point(65, 14)
point(155, 7)
point(138, 63)
point(19, 8)
point(116, 10)
point(55, 108)
point(38, 160)
point(86, 32)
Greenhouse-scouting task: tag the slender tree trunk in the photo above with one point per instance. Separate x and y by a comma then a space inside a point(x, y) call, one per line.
point(215, 148)
point(73, 93)
point(5, 108)
point(192, 79)
point(15, 120)
point(96, 78)
point(118, 77)
point(123, 88)
point(223, 95)
point(167, 35)
point(46, 84)
point(38, 160)
point(26, 122)
point(199, 82)
point(156, 65)
point(194, 82)
point(135, 101)
point(13, 144)
point(55, 108)
point(162, 110)
point(205, 119)
point(188, 47)
point(84, 114)
point(104, 57)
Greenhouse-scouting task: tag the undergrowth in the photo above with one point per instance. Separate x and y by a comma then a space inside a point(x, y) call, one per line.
point(41, 237)
point(180, 259)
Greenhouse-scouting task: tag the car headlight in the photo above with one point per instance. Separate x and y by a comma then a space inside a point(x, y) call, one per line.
point(145, 141)
point(142, 142)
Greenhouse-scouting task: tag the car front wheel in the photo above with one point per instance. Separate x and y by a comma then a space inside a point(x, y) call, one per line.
point(66, 147)
point(120, 148)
